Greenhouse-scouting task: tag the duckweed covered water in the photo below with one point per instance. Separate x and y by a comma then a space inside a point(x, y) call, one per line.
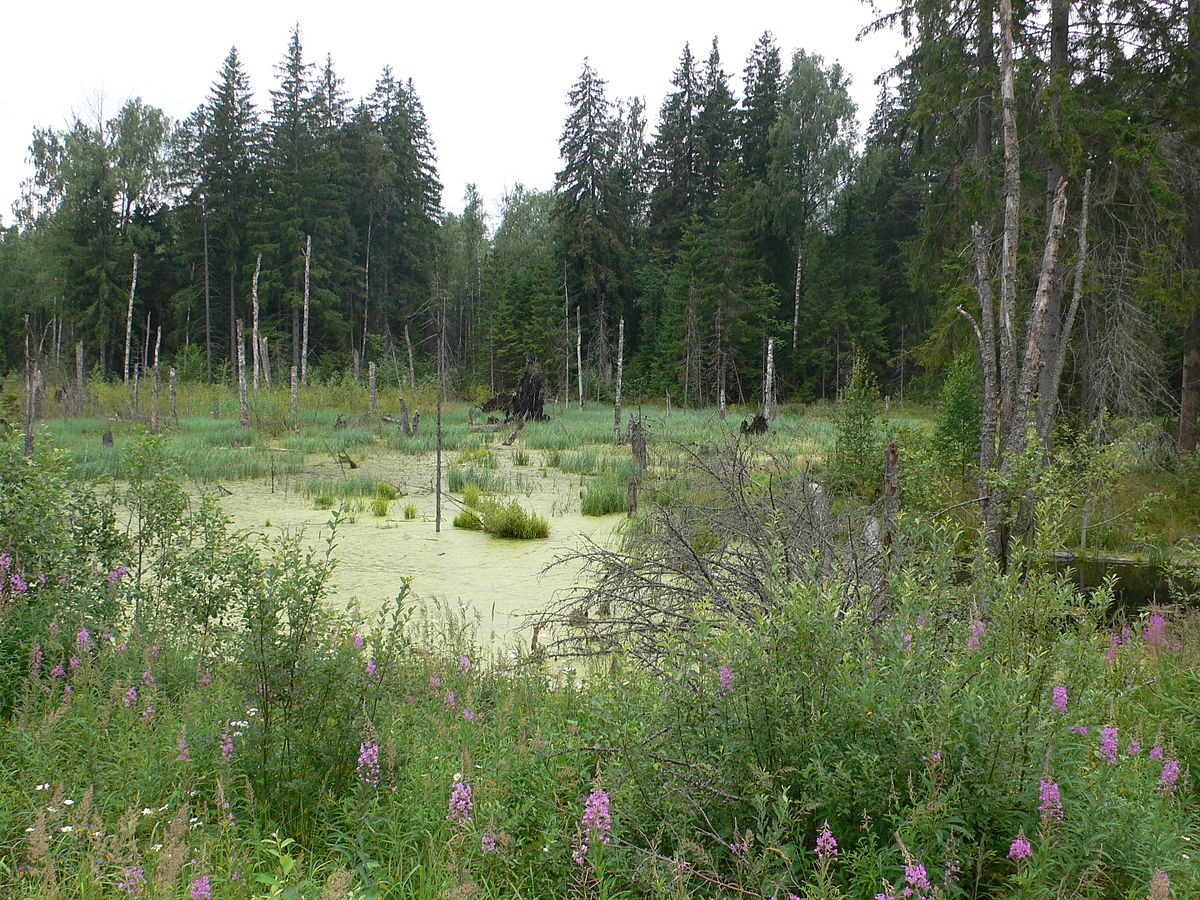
point(497, 580)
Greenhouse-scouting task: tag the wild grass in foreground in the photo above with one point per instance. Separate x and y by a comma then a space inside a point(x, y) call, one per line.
point(184, 714)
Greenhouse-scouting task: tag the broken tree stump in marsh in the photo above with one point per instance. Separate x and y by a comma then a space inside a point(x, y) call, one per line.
point(527, 402)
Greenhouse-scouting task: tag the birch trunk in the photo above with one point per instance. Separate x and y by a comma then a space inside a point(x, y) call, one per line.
point(579, 354)
point(174, 396)
point(769, 382)
point(79, 384)
point(1012, 212)
point(295, 408)
point(412, 369)
point(129, 316)
point(371, 386)
point(243, 399)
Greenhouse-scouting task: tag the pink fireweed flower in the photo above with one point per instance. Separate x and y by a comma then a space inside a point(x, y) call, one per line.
point(202, 888)
point(148, 713)
point(597, 817)
point(1156, 752)
point(84, 638)
point(73, 663)
point(358, 639)
point(148, 678)
point(1156, 631)
point(205, 679)
point(118, 573)
point(368, 763)
point(58, 672)
point(131, 695)
point(226, 748)
point(1060, 699)
point(134, 880)
point(906, 640)
point(978, 630)
point(19, 584)
point(827, 847)
point(468, 714)
point(725, 681)
point(1134, 747)
point(435, 680)
point(1160, 886)
point(1050, 805)
point(915, 875)
point(1108, 745)
point(1080, 730)
point(183, 755)
point(449, 700)
point(461, 806)
point(464, 664)
point(1020, 848)
point(487, 843)
point(5, 561)
point(371, 667)
point(1170, 775)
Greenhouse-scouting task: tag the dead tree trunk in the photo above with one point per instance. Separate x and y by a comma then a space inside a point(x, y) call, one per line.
point(265, 357)
point(371, 387)
point(637, 443)
point(129, 316)
point(620, 376)
point(304, 338)
point(79, 383)
point(174, 397)
point(254, 337)
point(30, 393)
point(294, 411)
point(243, 399)
point(412, 369)
point(579, 353)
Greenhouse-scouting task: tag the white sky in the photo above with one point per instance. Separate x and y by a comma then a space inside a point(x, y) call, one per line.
point(493, 76)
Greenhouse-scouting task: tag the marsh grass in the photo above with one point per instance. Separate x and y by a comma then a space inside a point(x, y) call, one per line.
point(350, 486)
point(486, 480)
point(602, 497)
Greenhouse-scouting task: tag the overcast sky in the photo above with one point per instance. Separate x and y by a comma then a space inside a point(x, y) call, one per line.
point(493, 76)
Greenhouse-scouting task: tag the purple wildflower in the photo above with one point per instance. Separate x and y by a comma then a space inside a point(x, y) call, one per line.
point(1156, 631)
point(73, 663)
point(487, 843)
point(19, 584)
point(597, 818)
point(226, 748)
point(1134, 747)
point(184, 755)
point(368, 763)
point(358, 639)
point(36, 658)
point(1108, 745)
point(202, 888)
point(148, 678)
point(1170, 775)
point(905, 640)
point(131, 695)
point(464, 664)
point(148, 713)
point(205, 679)
point(468, 714)
point(1156, 752)
point(84, 638)
point(725, 680)
point(1080, 730)
point(1020, 848)
point(118, 573)
point(461, 806)
point(371, 667)
point(978, 630)
point(827, 847)
point(449, 700)
point(134, 880)
point(1060, 699)
point(58, 672)
point(915, 875)
point(953, 870)
point(435, 680)
point(5, 561)
point(1050, 805)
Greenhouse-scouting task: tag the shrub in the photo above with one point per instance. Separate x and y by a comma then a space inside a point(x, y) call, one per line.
point(379, 507)
point(324, 501)
point(956, 426)
point(468, 519)
point(386, 491)
point(511, 520)
point(859, 441)
point(410, 510)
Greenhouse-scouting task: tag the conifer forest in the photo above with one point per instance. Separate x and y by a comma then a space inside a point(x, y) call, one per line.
point(774, 503)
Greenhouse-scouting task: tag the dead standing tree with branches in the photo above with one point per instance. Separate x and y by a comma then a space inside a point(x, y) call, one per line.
point(1010, 381)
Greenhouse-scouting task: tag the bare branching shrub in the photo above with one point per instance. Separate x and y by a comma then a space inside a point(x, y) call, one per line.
point(720, 540)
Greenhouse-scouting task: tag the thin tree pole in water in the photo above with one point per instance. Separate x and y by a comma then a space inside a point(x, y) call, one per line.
point(254, 337)
point(620, 374)
point(304, 342)
point(579, 353)
point(243, 400)
point(441, 373)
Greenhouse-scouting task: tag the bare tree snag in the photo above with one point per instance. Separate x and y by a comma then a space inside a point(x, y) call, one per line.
point(265, 358)
point(566, 383)
point(304, 339)
point(637, 442)
point(579, 353)
point(412, 369)
point(79, 383)
point(1012, 213)
point(174, 396)
point(133, 397)
point(30, 392)
point(371, 387)
point(768, 403)
point(243, 399)
point(129, 316)
point(207, 297)
point(294, 411)
point(254, 337)
point(1047, 412)
point(620, 376)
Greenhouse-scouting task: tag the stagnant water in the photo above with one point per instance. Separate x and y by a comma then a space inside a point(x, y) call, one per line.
point(497, 579)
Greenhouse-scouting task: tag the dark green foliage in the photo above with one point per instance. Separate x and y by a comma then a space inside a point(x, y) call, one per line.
point(859, 452)
point(602, 497)
point(956, 428)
